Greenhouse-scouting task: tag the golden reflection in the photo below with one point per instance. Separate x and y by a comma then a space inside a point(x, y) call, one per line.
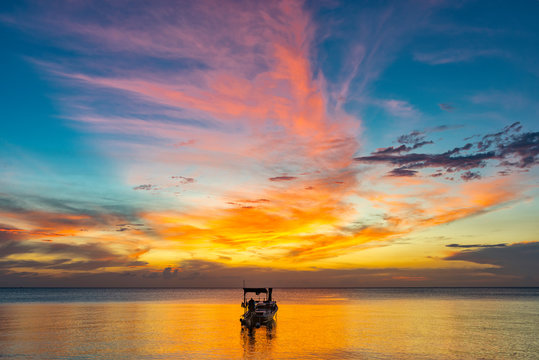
point(259, 342)
point(329, 326)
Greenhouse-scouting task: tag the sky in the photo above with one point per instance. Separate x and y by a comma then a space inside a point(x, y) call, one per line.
point(284, 143)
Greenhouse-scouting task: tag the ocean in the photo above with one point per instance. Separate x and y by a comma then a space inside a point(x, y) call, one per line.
point(388, 323)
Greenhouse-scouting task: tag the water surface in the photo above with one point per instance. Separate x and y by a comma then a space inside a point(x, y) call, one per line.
point(310, 324)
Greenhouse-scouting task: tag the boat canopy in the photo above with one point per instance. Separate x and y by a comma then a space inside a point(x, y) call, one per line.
point(258, 291)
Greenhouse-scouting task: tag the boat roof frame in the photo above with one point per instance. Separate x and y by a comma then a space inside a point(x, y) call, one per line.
point(257, 291)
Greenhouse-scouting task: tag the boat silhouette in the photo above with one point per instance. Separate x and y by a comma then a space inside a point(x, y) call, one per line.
point(258, 312)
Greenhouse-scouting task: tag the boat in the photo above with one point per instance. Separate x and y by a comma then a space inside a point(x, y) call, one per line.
point(260, 311)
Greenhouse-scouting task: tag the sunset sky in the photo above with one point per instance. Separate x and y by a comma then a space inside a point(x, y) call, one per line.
point(287, 143)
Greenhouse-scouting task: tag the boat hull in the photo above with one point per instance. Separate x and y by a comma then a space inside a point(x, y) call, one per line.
point(252, 319)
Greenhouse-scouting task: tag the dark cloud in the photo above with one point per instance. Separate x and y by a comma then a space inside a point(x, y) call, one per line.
point(243, 206)
point(144, 187)
point(43, 216)
point(516, 260)
point(470, 175)
point(11, 204)
point(446, 107)
point(9, 233)
point(248, 204)
point(402, 172)
point(68, 264)
point(391, 150)
point(282, 178)
point(183, 179)
point(96, 256)
point(128, 227)
point(8, 247)
point(90, 250)
point(169, 273)
point(257, 201)
point(199, 273)
point(507, 147)
point(400, 149)
point(443, 128)
point(408, 164)
point(412, 138)
point(33, 207)
point(476, 245)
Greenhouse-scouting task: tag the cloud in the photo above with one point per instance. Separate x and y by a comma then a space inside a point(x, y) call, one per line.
point(417, 138)
point(8, 247)
point(183, 179)
point(97, 256)
point(399, 108)
point(516, 260)
point(470, 175)
point(144, 187)
point(169, 273)
point(507, 147)
point(69, 265)
point(85, 238)
point(90, 250)
point(282, 178)
point(476, 245)
point(30, 216)
point(201, 273)
point(400, 149)
point(86, 250)
point(128, 227)
point(402, 172)
point(184, 143)
point(446, 107)
point(256, 201)
point(454, 56)
point(409, 163)
point(503, 99)
point(9, 233)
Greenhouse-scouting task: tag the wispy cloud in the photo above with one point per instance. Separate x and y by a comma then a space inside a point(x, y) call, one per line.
point(446, 107)
point(183, 179)
point(474, 246)
point(282, 178)
point(454, 56)
point(144, 187)
point(399, 108)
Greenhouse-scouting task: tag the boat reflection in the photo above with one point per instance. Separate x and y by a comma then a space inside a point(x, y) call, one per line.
point(257, 341)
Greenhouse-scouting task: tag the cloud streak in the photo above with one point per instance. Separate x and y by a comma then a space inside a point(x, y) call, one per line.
point(475, 246)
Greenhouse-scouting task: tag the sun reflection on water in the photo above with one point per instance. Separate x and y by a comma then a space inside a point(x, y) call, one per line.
point(391, 327)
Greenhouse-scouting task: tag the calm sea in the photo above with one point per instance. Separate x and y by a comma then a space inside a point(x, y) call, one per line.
point(310, 324)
